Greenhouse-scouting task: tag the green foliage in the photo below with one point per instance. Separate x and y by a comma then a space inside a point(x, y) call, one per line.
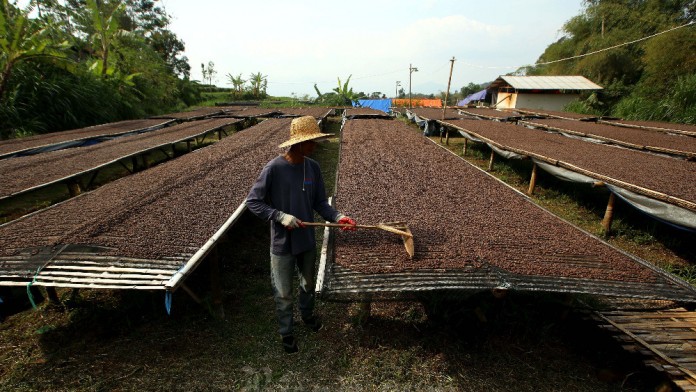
point(46, 99)
point(342, 95)
point(86, 62)
point(639, 78)
point(22, 40)
point(259, 82)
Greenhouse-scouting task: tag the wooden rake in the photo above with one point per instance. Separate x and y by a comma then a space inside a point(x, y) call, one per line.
point(399, 228)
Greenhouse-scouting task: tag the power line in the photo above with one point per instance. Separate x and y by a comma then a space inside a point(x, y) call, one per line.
point(615, 46)
point(584, 54)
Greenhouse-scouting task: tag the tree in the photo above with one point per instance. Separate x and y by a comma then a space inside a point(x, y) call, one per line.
point(22, 40)
point(209, 73)
point(258, 83)
point(105, 24)
point(237, 84)
point(595, 44)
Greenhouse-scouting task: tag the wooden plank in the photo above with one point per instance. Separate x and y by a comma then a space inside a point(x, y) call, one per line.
point(662, 324)
point(645, 344)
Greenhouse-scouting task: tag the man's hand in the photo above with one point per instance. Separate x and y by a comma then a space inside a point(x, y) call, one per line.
point(344, 220)
point(289, 221)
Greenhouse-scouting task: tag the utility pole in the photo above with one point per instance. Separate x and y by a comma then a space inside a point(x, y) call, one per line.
point(411, 69)
point(444, 107)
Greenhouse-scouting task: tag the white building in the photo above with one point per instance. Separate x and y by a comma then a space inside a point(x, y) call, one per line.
point(537, 92)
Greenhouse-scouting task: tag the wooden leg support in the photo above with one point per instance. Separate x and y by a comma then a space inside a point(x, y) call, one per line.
point(364, 311)
point(532, 180)
point(491, 161)
point(74, 188)
point(218, 310)
point(466, 143)
point(609, 214)
point(52, 295)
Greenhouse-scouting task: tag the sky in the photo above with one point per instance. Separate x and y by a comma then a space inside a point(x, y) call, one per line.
point(297, 43)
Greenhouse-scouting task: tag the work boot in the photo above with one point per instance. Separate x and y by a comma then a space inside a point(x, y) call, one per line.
point(313, 323)
point(290, 344)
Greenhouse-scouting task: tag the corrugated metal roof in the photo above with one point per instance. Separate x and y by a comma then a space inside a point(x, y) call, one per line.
point(546, 83)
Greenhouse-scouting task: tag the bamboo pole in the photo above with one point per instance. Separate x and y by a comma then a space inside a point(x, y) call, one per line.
point(192, 263)
point(112, 269)
point(444, 107)
point(609, 214)
point(56, 279)
point(192, 294)
point(466, 143)
point(491, 161)
point(532, 180)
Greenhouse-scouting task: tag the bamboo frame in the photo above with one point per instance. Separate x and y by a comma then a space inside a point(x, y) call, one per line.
point(647, 128)
point(650, 347)
point(662, 150)
point(117, 160)
point(83, 139)
point(599, 177)
point(182, 273)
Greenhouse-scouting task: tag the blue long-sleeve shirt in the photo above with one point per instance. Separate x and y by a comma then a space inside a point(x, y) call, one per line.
point(296, 189)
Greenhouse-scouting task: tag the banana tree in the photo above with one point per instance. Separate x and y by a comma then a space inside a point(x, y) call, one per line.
point(258, 83)
point(23, 39)
point(106, 29)
point(345, 94)
point(237, 83)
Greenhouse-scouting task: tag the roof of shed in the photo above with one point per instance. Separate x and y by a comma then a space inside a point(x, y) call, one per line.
point(545, 83)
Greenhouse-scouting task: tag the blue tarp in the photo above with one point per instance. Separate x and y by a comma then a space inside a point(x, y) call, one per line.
point(378, 104)
point(479, 96)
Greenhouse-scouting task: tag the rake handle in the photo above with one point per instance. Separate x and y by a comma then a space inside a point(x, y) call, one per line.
point(340, 225)
point(390, 229)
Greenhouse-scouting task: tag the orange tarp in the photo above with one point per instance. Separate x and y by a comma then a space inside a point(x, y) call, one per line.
point(418, 102)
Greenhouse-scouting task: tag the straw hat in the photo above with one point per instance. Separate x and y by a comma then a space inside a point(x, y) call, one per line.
point(303, 129)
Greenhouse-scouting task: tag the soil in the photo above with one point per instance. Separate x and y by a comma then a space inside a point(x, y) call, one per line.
point(673, 177)
point(27, 172)
point(13, 145)
point(460, 217)
point(638, 137)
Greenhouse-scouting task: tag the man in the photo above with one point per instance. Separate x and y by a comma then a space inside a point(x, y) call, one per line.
point(287, 192)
